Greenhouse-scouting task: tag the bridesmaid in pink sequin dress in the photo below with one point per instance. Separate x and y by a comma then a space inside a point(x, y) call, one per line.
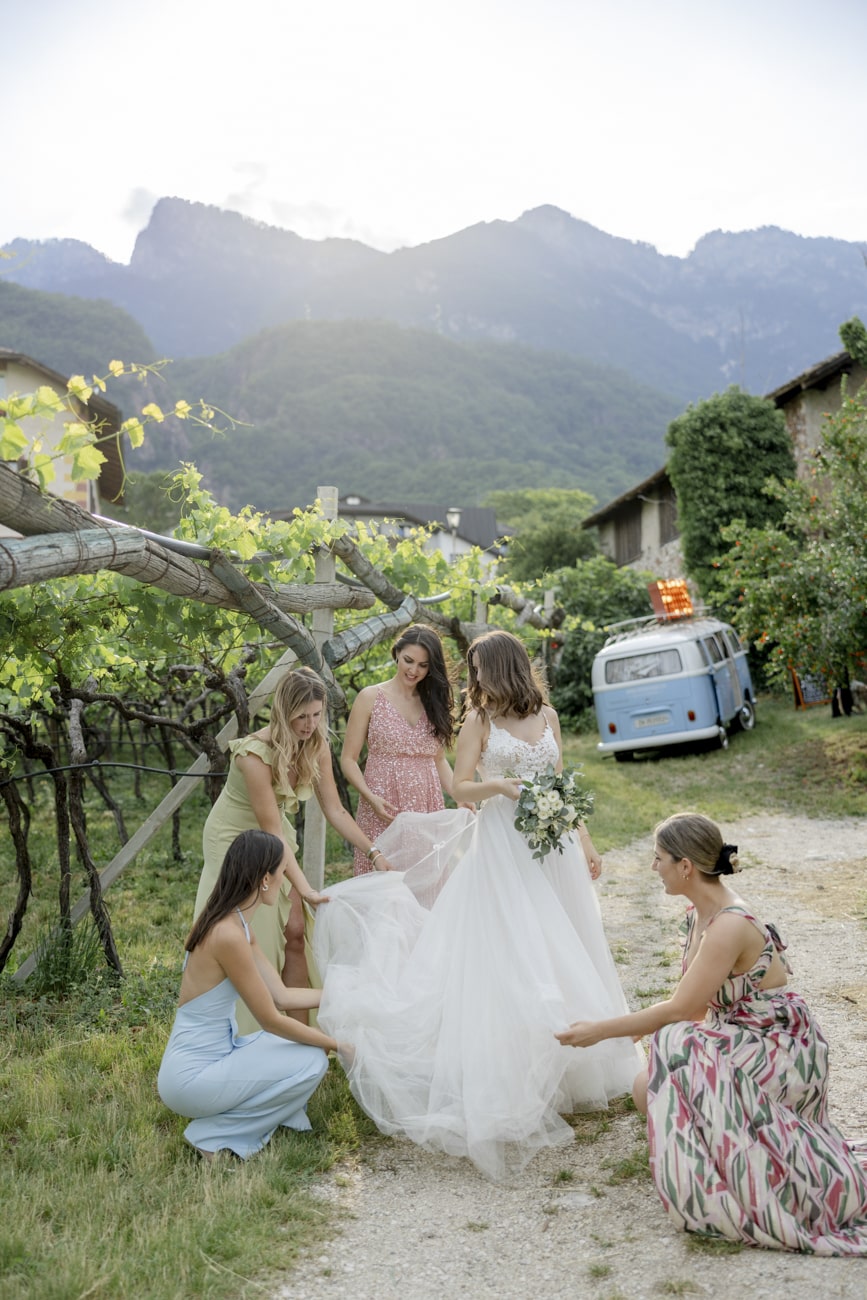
point(407, 724)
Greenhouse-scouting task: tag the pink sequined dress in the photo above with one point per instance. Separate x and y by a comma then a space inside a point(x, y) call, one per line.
point(401, 768)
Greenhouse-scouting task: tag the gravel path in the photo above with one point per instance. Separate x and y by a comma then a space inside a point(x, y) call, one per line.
point(581, 1223)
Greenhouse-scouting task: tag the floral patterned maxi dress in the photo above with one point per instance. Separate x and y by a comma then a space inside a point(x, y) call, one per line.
point(741, 1145)
point(401, 768)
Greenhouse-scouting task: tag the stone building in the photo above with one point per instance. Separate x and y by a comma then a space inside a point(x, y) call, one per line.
point(639, 528)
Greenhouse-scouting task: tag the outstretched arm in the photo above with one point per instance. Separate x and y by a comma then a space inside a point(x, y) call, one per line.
point(237, 958)
point(720, 953)
point(336, 814)
point(263, 802)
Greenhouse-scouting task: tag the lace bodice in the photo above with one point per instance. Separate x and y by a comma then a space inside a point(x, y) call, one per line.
point(505, 753)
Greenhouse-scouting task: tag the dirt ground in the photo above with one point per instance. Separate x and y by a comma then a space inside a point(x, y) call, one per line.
point(414, 1225)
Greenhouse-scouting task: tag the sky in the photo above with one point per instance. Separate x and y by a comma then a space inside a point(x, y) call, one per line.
point(397, 122)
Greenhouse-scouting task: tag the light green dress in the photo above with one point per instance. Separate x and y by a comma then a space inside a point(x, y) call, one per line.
point(230, 815)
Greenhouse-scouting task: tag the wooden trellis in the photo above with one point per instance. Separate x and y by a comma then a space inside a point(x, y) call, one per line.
point(60, 539)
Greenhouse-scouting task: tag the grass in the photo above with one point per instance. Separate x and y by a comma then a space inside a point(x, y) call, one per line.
point(800, 762)
point(101, 1195)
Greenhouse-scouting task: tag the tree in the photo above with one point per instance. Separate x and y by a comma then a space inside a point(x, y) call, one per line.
point(854, 336)
point(547, 526)
point(594, 593)
point(801, 587)
point(723, 451)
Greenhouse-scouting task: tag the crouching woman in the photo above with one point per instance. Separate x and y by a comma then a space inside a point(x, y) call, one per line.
point(238, 1090)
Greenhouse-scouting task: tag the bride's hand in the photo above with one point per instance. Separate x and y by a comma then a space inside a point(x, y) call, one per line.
point(511, 787)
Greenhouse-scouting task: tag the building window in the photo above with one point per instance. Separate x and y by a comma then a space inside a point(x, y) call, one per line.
point(668, 529)
point(627, 542)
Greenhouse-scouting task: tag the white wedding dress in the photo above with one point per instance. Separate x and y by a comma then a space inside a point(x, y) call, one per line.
point(450, 978)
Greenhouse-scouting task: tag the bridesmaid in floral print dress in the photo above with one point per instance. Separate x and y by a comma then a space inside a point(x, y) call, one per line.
point(407, 724)
point(741, 1145)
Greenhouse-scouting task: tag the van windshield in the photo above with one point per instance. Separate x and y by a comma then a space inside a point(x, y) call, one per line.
point(636, 668)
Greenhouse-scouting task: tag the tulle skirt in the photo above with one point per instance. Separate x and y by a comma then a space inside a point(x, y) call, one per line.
point(448, 980)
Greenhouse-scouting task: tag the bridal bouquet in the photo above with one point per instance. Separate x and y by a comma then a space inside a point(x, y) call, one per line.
point(549, 806)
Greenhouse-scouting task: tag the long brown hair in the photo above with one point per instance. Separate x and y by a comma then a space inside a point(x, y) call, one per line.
point(298, 688)
point(435, 690)
point(252, 855)
point(511, 683)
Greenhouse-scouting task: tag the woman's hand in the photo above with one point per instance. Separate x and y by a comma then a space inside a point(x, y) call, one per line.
point(511, 787)
point(386, 812)
point(470, 807)
point(313, 898)
point(582, 1034)
point(381, 863)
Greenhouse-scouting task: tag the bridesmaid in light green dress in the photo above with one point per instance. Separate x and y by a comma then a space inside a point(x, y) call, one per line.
point(271, 773)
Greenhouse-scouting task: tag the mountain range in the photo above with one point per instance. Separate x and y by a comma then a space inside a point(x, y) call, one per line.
point(518, 353)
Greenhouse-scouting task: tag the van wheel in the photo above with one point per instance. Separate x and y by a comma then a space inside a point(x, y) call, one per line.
point(623, 756)
point(745, 718)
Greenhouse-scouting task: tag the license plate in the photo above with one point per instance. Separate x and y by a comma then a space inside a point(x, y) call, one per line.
point(653, 720)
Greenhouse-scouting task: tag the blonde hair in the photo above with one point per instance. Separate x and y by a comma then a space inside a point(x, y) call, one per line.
point(511, 683)
point(298, 688)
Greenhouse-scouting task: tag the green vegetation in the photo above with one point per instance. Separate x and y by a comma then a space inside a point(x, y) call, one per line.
point(800, 588)
point(102, 1196)
point(547, 527)
point(795, 762)
point(405, 415)
point(593, 593)
point(70, 335)
point(723, 451)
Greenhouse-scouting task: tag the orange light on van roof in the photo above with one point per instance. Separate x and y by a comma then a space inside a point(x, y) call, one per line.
point(670, 598)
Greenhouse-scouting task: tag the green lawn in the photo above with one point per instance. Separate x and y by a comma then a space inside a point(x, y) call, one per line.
point(795, 761)
point(101, 1196)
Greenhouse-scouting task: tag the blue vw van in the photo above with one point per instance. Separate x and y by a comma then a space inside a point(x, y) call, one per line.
point(669, 682)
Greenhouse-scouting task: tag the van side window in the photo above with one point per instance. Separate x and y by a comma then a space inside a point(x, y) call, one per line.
point(716, 655)
point(637, 668)
point(734, 641)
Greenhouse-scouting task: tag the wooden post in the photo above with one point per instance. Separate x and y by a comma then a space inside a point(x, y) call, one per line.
point(323, 627)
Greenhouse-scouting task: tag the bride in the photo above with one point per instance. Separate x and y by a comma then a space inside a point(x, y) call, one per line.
point(451, 976)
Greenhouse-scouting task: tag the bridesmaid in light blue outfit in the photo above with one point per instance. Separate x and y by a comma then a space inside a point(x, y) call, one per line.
point(237, 1090)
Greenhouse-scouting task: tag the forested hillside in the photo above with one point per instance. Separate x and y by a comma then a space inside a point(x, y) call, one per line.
point(71, 335)
point(387, 412)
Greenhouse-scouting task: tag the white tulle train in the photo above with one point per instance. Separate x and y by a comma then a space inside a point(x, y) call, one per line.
point(450, 978)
